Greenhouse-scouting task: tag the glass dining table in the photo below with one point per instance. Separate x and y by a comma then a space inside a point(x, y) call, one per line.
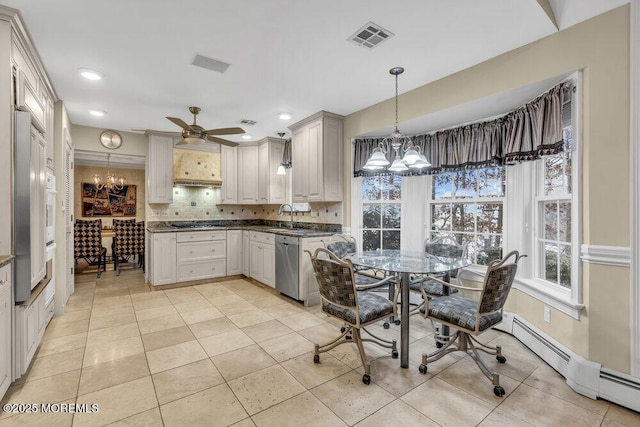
point(403, 264)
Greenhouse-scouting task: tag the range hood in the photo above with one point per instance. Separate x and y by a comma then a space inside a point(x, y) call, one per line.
point(196, 168)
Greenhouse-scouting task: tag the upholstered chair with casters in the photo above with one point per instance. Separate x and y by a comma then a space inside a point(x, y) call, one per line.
point(87, 237)
point(352, 304)
point(471, 317)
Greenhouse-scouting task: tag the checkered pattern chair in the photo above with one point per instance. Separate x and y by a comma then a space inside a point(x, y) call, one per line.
point(470, 317)
point(87, 238)
point(125, 242)
point(140, 243)
point(356, 307)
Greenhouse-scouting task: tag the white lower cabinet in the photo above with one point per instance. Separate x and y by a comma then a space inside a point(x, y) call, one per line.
point(201, 255)
point(262, 258)
point(5, 328)
point(234, 252)
point(246, 255)
point(162, 268)
point(309, 292)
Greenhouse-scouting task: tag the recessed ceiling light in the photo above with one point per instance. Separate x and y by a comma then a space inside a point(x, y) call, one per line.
point(90, 74)
point(284, 116)
point(245, 136)
point(97, 113)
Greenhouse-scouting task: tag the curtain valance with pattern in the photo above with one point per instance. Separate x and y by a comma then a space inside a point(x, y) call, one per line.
point(531, 131)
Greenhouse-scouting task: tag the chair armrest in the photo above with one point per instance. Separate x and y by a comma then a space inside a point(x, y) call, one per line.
point(381, 283)
point(462, 288)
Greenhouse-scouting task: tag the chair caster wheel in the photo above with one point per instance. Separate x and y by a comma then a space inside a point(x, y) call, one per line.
point(316, 358)
point(397, 321)
point(422, 368)
point(439, 344)
point(501, 359)
point(342, 329)
point(394, 354)
point(366, 379)
point(385, 325)
point(498, 391)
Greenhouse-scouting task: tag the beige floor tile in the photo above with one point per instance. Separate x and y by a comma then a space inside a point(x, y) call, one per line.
point(148, 296)
point(397, 413)
point(202, 315)
point(113, 333)
point(262, 301)
point(427, 345)
point(111, 309)
point(222, 409)
point(177, 383)
point(111, 321)
point(212, 327)
point(57, 363)
point(265, 388)
point(150, 418)
point(287, 346)
point(321, 334)
point(387, 373)
point(186, 307)
point(173, 356)
point(608, 422)
point(108, 351)
point(152, 313)
point(267, 330)
point(539, 408)
point(213, 290)
point(283, 310)
point(300, 321)
point(153, 301)
point(118, 402)
point(236, 308)
point(62, 344)
point(180, 295)
point(167, 337)
point(160, 324)
point(303, 409)
point(311, 374)
point(73, 316)
point(499, 418)
point(224, 342)
point(243, 361)
point(66, 329)
point(250, 318)
point(446, 404)
point(350, 399)
point(348, 353)
point(56, 388)
point(228, 299)
point(108, 374)
point(544, 378)
point(622, 415)
point(247, 422)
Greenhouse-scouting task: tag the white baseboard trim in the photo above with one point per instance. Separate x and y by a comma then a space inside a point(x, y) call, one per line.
point(607, 255)
point(584, 376)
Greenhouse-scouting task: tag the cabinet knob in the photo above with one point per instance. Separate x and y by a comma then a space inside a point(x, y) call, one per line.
point(190, 252)
point(3, 281)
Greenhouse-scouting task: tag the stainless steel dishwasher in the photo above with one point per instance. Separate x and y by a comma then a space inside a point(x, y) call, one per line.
point(287, 265)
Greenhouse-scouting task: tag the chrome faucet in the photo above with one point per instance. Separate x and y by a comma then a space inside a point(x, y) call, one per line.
point(290, 210)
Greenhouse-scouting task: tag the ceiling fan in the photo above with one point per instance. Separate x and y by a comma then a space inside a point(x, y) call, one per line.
point(195, 134)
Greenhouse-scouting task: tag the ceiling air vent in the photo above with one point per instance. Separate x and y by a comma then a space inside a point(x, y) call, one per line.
point(370, 35)
point(210, 64)
point(247, 122)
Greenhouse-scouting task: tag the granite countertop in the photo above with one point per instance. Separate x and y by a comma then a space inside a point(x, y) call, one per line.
point(5, 259)
point(309, 230)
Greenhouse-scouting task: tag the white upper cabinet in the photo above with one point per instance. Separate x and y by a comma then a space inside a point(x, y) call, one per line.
point(229, 189)
point(271, 186)
point(317, 158)
point(160, 169)
point(248, 175)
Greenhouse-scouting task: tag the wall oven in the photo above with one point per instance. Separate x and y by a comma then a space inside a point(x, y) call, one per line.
point(50, 209)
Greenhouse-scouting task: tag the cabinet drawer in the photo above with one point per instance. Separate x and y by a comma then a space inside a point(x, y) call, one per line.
point(201, 270)
point(198, 236)
point(267, 238)
point(194, 251)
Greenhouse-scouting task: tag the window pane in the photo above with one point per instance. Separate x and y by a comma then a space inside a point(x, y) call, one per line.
point(371, 216)
point(391, 239)
point(491, 182)
point(550, 220)
point(371, 188)
point(565, 266)
point(442, 186)
point(555, 181)
point(489, 248)
point(463, 216)
point(465, 184)
point(391, 186)
point(441, 217)
point(551, 262)
point(490, 217)
point(370, 240)
point(565, 222)
point(391, 216)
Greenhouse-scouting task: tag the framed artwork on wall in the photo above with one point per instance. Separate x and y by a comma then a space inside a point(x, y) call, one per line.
point(113, 202)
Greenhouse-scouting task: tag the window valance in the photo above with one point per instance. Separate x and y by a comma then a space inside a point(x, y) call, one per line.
point(525, 134)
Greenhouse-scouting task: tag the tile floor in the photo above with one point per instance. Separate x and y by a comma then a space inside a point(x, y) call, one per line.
point(236, 353)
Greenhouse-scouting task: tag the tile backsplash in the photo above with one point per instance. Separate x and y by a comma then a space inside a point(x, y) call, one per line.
point(194, 203)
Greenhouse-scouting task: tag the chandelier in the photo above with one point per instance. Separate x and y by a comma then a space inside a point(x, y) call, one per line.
point(413, 157)
point(112, 181)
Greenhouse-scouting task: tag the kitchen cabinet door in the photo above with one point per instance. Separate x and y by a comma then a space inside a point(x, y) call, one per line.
point(229, 189)
point(246, 253)
point(269, 265)
point(38, 208)
point(256, 257)
point(248, 175)
point(160, 169)
point(5, 329)
point(163, 258)
point(234, 252)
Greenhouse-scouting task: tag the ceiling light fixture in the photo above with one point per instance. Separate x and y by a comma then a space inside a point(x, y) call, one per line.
point(284, 116)
point(97, 113)
point(413, 157)
point(112, 181)
point(246, 136)
point(90, 74)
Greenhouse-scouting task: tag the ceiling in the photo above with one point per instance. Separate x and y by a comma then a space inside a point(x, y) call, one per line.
point(285, 55)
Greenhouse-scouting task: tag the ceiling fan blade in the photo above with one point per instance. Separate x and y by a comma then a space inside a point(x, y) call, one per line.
point(224, 131)
point(164, 132)
point(221, 141)
point(180, 122)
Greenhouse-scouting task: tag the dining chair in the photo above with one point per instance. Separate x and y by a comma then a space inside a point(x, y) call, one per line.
point(139, 248)
point(87, 243)
point(352, 304)
point(471, 317)
point(124, 242)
